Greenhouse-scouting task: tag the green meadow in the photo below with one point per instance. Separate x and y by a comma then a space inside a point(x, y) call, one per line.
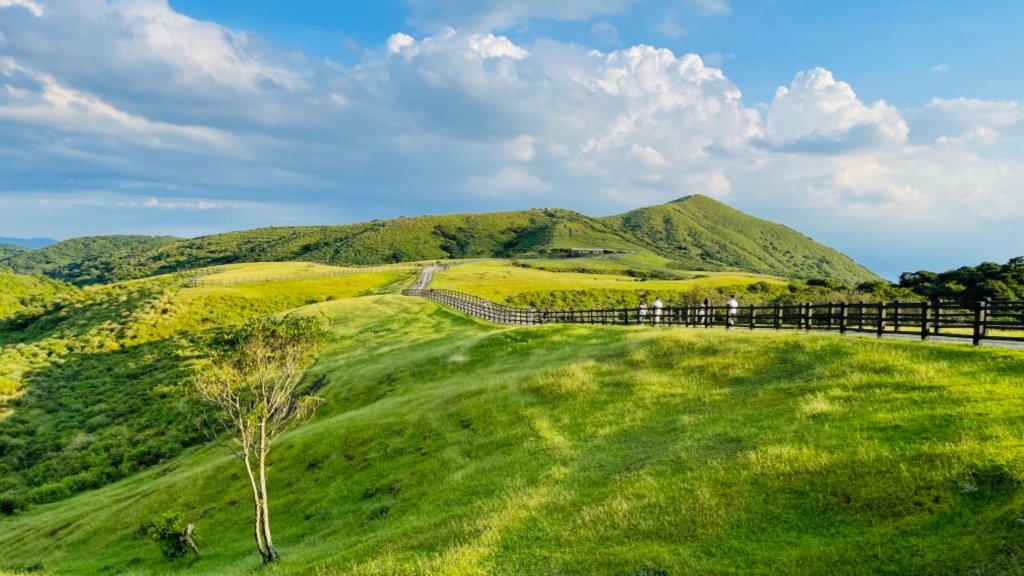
point(499, 280)
point(447, 445)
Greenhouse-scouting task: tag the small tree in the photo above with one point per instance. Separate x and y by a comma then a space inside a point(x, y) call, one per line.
point(251, 383)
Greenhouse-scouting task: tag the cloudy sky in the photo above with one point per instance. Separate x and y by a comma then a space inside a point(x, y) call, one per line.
point(893, 132)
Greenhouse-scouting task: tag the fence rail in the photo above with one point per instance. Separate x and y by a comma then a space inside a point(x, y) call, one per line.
point(977, 321)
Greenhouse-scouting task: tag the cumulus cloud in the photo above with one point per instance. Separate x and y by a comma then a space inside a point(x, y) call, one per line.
point(816, 112)
point(468, 119)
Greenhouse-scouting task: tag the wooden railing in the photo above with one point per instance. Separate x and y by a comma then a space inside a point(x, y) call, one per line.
point(977, 321)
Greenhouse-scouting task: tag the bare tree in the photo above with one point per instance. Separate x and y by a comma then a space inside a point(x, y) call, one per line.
point(250, 382)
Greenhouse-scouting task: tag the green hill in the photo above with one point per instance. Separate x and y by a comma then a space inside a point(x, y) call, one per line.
point(448, 446)
point(86, 260)
point(8, 250)
point(697, 231)
point(19, 292)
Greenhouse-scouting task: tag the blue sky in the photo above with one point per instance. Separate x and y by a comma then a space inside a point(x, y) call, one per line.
point(891, 131)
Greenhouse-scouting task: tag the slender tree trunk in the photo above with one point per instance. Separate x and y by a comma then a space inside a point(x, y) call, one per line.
point(258, 509)
point(271, 551)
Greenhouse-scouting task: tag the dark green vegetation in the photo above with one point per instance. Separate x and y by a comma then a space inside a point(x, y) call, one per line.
point(986, 280)
point(89, 260)
point(8, 250)
point(92, 384)
point(449, 446)
point(695, 232)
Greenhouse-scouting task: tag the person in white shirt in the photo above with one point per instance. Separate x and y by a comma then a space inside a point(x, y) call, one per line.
point(734, 307)
point(641, 312)
point(658, 305)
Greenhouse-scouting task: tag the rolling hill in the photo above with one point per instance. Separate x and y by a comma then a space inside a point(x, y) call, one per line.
point(693, 233)
point(449, 446)
point(699, 232)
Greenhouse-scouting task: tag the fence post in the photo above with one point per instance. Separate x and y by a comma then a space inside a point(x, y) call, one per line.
point(881, 318)
point(896, 316)
point(753, 321)
point(808, 316)
point(843, 317)
point(925, 306)
point(777, 319)
point(980, 321)
point(831, 313)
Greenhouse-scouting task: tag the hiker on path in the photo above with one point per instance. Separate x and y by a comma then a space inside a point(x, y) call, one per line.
point(641, 312)
point(658, 305)
point(734, 306)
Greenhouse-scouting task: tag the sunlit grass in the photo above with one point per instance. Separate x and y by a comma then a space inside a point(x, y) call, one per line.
point(446, 445)
point(499, 279)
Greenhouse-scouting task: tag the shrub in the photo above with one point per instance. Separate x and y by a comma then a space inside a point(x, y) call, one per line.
point(175, 538)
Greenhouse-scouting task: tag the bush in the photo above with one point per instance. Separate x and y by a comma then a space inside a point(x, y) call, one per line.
point(175, 538)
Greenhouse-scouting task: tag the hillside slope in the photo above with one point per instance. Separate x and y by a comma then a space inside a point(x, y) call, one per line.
point(18, 292)
point(695, 233)
point(698, 231)
point(8, 250)
point(447, 446)
point(91, 384)
point(86, 260)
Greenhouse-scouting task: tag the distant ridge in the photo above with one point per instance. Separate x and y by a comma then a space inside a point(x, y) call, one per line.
point(694, 233)
point(30, 243)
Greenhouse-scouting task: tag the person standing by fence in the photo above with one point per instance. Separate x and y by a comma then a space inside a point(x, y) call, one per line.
point(704, 313)
point(733, 307)
point(641, 312)
point(658, 305)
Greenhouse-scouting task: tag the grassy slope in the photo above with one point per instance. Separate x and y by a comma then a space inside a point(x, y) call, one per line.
point(698, 231)
point(498, 280)
point(18, 291)
point(447, 446)
point(694, 233)
point(90, 388)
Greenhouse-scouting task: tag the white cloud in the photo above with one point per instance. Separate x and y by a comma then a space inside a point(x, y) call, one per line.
point(33, 8)
point(119, 97)
point(816, 111)
point(940, 68)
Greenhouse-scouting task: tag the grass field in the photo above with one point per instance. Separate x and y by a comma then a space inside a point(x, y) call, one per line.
point(279, 271)
point(450, 446)
point(499, 279)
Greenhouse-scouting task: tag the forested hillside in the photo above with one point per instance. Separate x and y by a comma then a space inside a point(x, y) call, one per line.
point(87, 260)
point(8, 250)
point(695, 233)
point(986, 280)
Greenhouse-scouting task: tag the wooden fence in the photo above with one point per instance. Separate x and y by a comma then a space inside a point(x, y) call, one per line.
point(977, 321)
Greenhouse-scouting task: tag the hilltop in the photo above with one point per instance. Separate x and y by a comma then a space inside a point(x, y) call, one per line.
point(693, 233)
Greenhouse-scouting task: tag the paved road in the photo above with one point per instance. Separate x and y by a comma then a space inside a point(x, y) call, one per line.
point(426, 277)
